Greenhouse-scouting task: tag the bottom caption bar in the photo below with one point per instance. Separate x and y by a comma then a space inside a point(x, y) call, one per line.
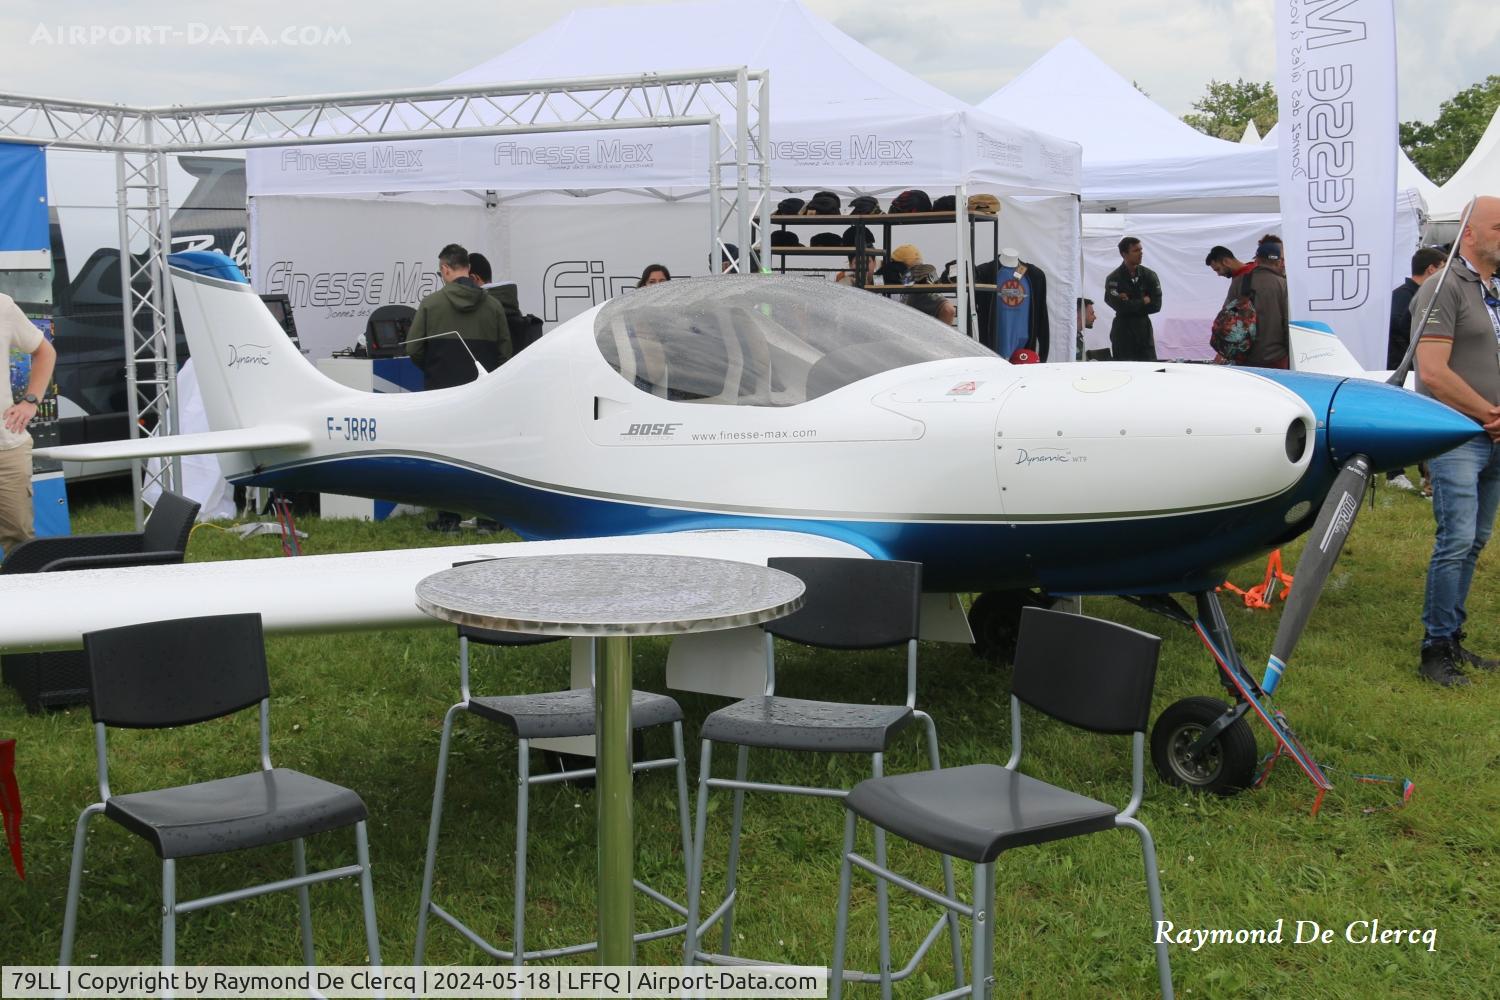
point(334, 981)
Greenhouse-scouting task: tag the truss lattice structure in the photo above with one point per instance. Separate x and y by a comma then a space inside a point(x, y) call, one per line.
point(732, 103)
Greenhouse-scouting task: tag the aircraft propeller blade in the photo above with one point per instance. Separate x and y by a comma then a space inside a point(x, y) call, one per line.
point(1324, 544)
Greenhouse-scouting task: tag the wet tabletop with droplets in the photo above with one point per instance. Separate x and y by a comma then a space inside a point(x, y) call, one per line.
point(609, 594)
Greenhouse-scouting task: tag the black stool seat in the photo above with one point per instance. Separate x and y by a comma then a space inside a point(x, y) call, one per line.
point(568, 713)
point(799, 724)
point(975, 812)
point(230, 814)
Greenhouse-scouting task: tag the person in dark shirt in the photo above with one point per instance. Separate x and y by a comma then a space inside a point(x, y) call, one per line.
point(1133, 291)
point(1424, 264)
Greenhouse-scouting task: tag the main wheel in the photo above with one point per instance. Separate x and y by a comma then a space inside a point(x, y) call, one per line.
point(1223, 767)
point(995, 620)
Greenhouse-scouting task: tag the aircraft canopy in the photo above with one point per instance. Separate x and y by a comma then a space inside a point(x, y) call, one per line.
point(748, 341)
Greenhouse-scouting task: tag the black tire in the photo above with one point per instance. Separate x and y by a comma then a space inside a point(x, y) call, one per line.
point(1225, 767)
point(995, 620)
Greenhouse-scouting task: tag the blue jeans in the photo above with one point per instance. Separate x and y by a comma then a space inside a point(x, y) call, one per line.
point(1465, 495)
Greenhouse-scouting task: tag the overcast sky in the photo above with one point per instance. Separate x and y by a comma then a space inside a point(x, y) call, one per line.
point(177, 51)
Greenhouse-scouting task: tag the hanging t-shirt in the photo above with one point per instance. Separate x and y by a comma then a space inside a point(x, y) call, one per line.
point(1012, 309)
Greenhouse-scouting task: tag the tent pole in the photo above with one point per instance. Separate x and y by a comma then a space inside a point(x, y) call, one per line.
point(742, 167)
point(961, 233)
point(763, 132)
point(1078, 348)
point(715, 205)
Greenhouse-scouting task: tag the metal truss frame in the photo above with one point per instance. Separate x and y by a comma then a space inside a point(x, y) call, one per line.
point(143, 137)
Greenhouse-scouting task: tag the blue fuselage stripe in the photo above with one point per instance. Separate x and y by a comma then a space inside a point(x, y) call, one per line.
point(1162, 554)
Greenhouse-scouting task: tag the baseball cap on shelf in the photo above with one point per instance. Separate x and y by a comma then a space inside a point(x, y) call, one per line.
point(923, 274)
point(822, 203)
point(790, 206)
point(984, 204)
point(907, 254)
point(865, 204)
point(911, 201)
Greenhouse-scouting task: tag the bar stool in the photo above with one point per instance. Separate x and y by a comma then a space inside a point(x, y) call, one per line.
point(1088, 673)
point(551, 715)
point(850, 604)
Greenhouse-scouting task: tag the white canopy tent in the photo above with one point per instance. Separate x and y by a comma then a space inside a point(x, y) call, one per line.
point(1137, 157)
point(1150, 175)
point(1480, 174)
point(841, 118)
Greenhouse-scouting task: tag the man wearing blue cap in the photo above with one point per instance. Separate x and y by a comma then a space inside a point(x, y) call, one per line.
point(1268, 289)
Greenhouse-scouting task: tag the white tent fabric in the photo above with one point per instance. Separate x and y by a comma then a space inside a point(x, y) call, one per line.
point(841, 115)
point(1252, 134)
point(841, 118)
point(1136, 156)
point(1480, 174)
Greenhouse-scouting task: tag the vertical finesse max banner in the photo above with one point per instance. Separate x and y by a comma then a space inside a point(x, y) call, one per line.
point(1336, 86)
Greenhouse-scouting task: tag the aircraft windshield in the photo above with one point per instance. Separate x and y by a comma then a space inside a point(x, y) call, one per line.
point(756, 340)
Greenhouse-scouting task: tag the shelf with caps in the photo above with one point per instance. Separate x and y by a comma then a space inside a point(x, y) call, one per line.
point(940, 287)
point(822, 251)
point(882, 218)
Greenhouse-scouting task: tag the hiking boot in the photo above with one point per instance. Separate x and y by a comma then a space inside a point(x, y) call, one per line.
point(1467, 657)
point(1440, 664)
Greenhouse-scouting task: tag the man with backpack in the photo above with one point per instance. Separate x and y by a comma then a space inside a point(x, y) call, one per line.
point(1252, 329)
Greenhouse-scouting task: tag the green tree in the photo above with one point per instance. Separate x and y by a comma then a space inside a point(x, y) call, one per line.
point(1225, 107)
point(1441, 147)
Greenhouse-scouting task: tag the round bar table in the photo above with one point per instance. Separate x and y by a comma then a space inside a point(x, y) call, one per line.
point(610, 597)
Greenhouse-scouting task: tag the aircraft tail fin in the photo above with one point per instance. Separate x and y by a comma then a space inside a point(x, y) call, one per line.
point(1316, 348)
point(248, 369)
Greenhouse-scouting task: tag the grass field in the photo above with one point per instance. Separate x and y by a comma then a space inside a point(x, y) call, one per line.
point(364, 710)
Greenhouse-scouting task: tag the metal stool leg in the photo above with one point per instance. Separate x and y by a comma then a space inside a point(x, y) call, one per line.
point(75, 881)
point(882, 895)
point(949, 890)
point(695, 864)
point(741, 769)
point(984, 932)
point(684, 815)
point(367, 891)
point(425, 906)
point(169, 912)
point(841, 924)
point(523, 800)
point(1153, 890)
point(304, 903)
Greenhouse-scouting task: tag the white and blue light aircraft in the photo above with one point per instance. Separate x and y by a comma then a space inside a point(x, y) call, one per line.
point(748, 417)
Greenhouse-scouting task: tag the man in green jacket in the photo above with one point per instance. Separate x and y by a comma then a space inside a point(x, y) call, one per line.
point(457, 327)
point(457, 330)
point(1134, 293)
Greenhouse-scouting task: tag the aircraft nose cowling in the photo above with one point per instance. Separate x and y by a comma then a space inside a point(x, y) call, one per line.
point(1393, 426)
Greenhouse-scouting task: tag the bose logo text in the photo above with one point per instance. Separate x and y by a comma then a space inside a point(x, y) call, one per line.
point(651, 430)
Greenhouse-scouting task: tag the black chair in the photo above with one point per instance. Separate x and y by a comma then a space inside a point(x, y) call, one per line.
point(47, 680)
point(1092, 674)
point(551, 715)
point(849, 604)
point(176, 673)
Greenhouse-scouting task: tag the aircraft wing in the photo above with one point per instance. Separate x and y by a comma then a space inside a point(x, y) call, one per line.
point(205, 443)
point(319, 593)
